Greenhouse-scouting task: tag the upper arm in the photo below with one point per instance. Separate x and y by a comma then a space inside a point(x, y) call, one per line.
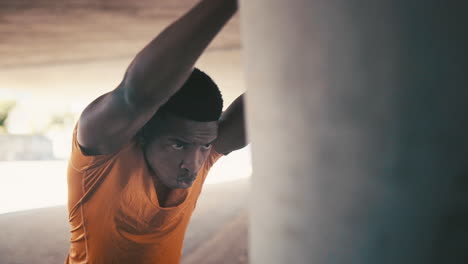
point(231, 132)
point(111, 121)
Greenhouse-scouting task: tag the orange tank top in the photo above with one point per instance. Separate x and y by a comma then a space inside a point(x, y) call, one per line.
point(114, 213)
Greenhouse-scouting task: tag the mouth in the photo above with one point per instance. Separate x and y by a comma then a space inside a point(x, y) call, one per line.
point(185, 181)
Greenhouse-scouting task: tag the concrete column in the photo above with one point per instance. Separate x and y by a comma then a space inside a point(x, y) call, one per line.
point(358, 117)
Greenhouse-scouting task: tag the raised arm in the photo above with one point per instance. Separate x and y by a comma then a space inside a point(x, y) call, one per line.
point(156, 73)
point(231, 132)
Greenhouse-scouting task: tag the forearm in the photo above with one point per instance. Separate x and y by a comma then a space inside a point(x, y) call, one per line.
point(159, 70)
point(232, 134)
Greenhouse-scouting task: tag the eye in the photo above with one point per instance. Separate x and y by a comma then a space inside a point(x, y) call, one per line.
point(177, 146)
point(206, 146)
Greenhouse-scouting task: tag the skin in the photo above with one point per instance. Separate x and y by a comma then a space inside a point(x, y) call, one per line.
point(157, 72)
point(178, 150)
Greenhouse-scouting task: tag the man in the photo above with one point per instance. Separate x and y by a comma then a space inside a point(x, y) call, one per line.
point(142, 151)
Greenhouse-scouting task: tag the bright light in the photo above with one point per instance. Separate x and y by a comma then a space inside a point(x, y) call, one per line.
point(36, 184)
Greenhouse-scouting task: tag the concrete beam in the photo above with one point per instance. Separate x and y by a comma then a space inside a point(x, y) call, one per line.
point(358, 117)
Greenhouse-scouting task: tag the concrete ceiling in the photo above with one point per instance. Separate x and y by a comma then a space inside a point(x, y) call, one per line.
point(80, 48)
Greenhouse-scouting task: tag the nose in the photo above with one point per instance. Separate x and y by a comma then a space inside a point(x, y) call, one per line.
point(192, 162)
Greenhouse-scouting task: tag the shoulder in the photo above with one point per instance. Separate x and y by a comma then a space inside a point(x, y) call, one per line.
point(82, 160)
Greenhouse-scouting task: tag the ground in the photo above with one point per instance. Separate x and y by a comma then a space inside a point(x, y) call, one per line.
point(217, 232)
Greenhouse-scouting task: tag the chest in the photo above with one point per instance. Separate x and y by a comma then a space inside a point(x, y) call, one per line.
point(139, 209)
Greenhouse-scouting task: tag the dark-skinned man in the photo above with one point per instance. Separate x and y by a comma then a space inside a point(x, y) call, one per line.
point(142, 151)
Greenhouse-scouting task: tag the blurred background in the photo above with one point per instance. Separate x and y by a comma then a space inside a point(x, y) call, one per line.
point(56, 57)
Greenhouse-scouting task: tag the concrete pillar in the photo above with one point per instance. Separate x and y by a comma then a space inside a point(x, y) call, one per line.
point(358, 118)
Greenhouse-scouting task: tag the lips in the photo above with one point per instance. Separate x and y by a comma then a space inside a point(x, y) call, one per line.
point(186, 179)
point(185, 182)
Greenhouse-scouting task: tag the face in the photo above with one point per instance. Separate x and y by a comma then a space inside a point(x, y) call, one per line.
point(178, 149)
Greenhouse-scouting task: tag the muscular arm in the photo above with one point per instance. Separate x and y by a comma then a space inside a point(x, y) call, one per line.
point(156, 73)
point(231, 134)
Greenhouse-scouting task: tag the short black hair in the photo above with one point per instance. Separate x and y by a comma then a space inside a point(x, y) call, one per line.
point(199, 99)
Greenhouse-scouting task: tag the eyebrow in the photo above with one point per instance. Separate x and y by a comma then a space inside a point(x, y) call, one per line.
point(178, 140)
